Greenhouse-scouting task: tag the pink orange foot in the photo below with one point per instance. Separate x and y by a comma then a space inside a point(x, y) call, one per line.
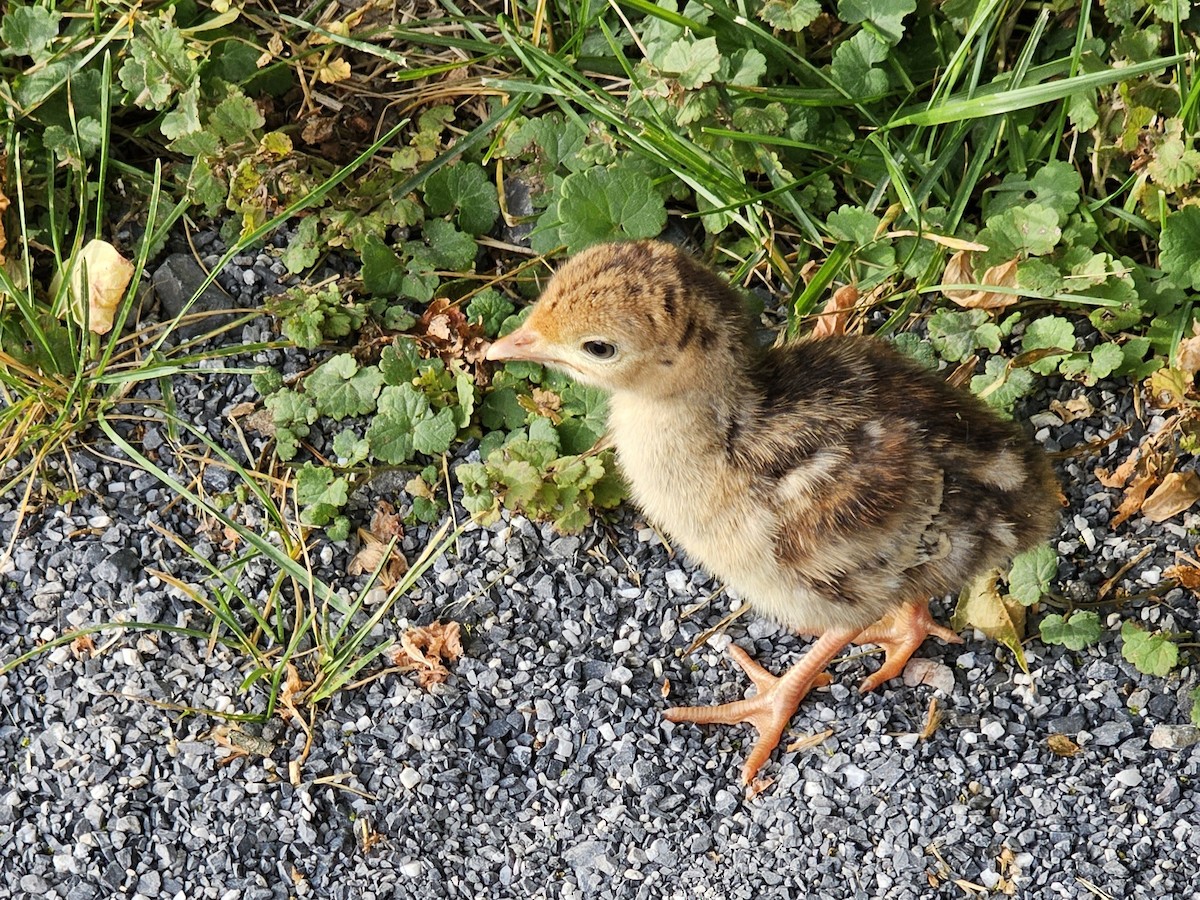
point(777, 699)
point(900, 634)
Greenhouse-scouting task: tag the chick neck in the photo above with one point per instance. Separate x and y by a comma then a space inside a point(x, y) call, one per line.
point(692, 404)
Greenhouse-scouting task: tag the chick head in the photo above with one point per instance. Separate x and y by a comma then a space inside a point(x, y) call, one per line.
point(638, 315)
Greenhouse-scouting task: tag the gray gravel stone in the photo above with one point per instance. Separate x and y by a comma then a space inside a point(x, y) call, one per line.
point(1174, 737)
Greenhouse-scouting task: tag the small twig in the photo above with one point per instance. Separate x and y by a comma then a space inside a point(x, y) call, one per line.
point(720, 626)
point(1106, 588)
point(1092, 889)
point(809, 740)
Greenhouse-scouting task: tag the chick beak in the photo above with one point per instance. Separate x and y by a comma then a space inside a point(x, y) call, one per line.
point(524, 343)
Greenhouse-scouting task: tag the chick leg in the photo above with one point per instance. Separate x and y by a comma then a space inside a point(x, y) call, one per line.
point(770, 709)
point(900, 634)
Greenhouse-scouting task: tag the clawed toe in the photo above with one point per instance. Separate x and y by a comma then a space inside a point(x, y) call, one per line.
point(772, 707)
point(900, 635)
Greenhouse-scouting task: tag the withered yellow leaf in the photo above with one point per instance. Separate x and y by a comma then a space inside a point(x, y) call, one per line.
point(107, 273)
point(1188, 355)
point(982, 606)
point(334, 71)
point(1135, 496)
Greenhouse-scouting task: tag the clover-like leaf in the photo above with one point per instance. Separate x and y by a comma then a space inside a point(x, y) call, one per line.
point(492, 307)
point(693, 63)
point(1080, 629)
point(853, 66)
point(1001, 384)
point(320, 494)
point(434, 434)
point(887, 15)
point(550, 141)
point(349, 448)
point(399, 360)
point(1175, 164)
point(956, 335)
point(749, 67)
point(1056, 186)
point(390, 434)
point(383, 272)
point(339, 388)
point(236, 118)
point(466, 190)
point(602, 204)
point(450, 248)
point(29, 30)
point(852, 223)
point(1027, 230)
point(1152, 654)
point(1048, 332)
point(1179, 253)
point(500, 410)
point(790, 15)
point(304, 249)
point(1031, 574)
point(158, 65)
point(184, 118)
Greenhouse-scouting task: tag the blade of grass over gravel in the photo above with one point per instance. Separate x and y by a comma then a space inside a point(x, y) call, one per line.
point(341, 653)
point(283, 560)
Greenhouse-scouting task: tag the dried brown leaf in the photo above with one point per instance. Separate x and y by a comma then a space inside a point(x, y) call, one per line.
point(370, 557)
point(426, 649)
point(832, 320)
point(1135, 496)
point(386, 525)
point(666, 688)
point(291, 692)
point(83, 646)
point(3, 237)
point(1187, 576)
point(386, 522)
point(1120, 476)
point(1061, 745)
point(1072, 410)
point(757, 786)
point(1178, 491)
point(930, 672)
point(933, 718)
point(445, 331)
point(107, 273)
point(808, 270)
point(809, 740)
point(960, 269)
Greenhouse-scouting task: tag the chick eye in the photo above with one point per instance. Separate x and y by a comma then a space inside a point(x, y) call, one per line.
point(600, 349)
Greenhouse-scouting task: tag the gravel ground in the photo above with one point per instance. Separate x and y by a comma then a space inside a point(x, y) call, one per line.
point(543, 767)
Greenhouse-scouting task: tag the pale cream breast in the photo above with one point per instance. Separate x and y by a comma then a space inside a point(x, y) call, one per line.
point(680, 479)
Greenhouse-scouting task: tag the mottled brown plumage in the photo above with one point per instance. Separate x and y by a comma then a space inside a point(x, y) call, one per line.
point(833, 483)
